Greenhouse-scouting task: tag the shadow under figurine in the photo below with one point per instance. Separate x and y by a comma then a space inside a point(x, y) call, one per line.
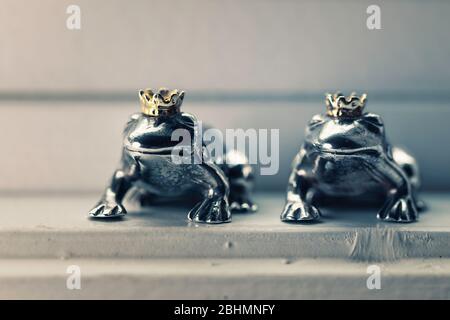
point(147, 165)
point(346, 156)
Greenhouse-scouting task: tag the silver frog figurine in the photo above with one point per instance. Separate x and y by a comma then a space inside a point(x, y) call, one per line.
point(147, 165)
point(346, 157)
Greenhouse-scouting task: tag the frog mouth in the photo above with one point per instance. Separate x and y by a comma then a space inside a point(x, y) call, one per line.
point(323, 148)
point(160, 151)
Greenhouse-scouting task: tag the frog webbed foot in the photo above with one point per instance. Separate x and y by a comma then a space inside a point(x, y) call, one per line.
point(211, 210)
point(295, 211)
point(147, 199)
point(399, 209)
point(107, 209)
point(242, 204)
point(421, 205)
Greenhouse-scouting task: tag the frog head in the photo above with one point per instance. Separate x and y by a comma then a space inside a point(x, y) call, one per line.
point(151, 130)
point(345, 128)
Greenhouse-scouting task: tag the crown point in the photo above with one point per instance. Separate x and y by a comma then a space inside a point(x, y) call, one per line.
point(164, 102)
point(341, 106)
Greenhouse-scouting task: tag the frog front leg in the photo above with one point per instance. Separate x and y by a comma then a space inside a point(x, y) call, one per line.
point(400, 204)
point(110, 204)
point(213, 208)
point(411, 169)
point(300, 192)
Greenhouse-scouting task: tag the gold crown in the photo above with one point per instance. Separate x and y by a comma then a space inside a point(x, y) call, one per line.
point(163, 102)
point(340, 106)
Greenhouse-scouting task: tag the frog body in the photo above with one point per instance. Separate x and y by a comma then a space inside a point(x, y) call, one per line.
point(147, 164)
point(346, 156)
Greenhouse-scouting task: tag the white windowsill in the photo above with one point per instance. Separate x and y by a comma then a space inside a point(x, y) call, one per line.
point(57, 226)
point(158, 254)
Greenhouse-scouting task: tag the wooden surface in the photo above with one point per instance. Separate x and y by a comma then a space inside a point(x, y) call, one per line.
point(202, 279)
point(57, 227)
point(158, 254)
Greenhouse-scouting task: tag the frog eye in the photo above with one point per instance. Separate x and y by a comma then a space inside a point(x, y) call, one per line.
point(317, 119)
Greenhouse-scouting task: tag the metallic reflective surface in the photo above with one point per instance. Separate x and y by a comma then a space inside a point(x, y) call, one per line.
point(346, 157)
point(147, 166)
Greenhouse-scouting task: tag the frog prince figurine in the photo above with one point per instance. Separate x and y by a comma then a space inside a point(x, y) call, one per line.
point(346, 156)
point(147, 165)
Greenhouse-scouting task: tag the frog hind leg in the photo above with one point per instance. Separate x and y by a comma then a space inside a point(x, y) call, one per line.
point(411, 169)
point(299, 207)
point(142, 197)
point(240, 178)
point(213, 208)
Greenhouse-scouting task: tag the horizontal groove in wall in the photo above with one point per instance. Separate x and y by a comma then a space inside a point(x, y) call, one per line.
point(222, 96)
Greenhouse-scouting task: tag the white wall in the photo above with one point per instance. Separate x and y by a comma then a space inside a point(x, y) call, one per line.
point(75, 146)
point(65, 95)
point(224, 45)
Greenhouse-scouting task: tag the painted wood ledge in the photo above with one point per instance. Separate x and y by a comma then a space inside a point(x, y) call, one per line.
point(56, 226)
point(222, 279)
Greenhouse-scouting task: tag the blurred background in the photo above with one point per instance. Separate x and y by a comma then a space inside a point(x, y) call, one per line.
point(65, 95)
